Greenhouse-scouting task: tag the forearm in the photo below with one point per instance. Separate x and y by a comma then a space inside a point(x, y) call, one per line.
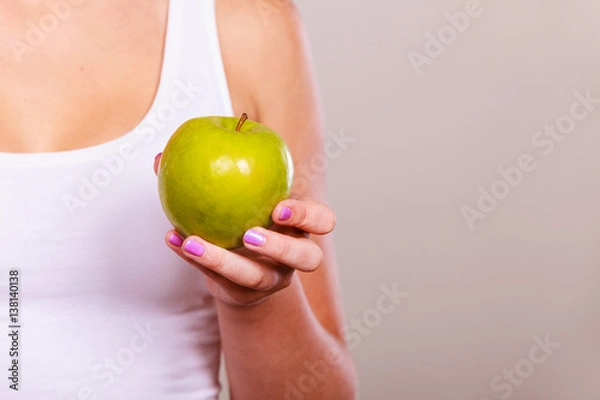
point(279, 347)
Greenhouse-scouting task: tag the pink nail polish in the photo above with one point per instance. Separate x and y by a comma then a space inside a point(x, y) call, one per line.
point(157, 162)
point(286, 213)
point(175, 239)
point(254, 238)
point(194, 248)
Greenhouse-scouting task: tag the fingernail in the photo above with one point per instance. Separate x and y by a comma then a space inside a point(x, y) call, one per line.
point(254, 238)
point(157, 162)
point(194, 248)
point(286, 213)
point(175, 239)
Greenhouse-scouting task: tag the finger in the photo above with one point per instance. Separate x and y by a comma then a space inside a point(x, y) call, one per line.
point(308, 215)
point(175, 242)
point(221, 287)
point(229, 265)
point(299, 253)
point(157, 162)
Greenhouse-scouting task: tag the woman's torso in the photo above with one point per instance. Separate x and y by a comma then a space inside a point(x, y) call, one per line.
point(106, 308)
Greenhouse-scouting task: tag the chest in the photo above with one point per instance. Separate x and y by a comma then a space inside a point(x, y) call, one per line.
point(79, 78)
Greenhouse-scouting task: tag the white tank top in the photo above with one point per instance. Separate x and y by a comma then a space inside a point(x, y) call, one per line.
point(105, 309)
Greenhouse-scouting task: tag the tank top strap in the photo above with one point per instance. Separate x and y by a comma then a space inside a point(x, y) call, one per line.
point(192, 51)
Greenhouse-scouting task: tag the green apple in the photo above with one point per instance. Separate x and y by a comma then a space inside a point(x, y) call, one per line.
point(220, 176)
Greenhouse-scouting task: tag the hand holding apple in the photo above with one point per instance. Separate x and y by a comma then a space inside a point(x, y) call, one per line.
point(269, 257)
point(266, 264)
point(218, 177)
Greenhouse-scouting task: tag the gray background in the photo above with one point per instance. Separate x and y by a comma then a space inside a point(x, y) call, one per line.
point(423, 145)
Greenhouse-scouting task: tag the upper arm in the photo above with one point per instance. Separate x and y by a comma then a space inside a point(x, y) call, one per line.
point(270, 77)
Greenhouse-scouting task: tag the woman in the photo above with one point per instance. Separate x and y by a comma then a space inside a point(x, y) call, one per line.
point(91, 92)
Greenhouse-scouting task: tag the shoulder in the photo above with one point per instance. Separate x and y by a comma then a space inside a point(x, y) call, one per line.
point(249, 20)
point(263, 47)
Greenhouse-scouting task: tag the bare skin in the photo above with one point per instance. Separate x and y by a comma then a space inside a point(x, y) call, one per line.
point(281, 297)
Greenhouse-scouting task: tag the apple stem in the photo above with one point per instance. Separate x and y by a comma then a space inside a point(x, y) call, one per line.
point(243, 119)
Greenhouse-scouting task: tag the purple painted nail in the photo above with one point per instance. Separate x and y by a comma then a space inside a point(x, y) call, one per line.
point(254, 238)
point(286, 213)
point(175, 239)
point(194, 248)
